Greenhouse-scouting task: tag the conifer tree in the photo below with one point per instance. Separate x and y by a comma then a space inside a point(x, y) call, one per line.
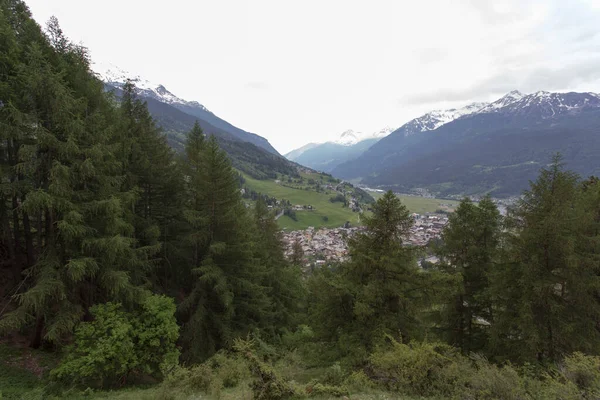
point(68, 190)
point(150, 172)
point(547, 287)
point(379, 291)
point(470, 245)
point(282, 279)
point(227, 298)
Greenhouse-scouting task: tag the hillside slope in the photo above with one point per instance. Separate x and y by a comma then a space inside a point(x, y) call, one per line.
point(327, 156)
point(496, 149)
point(256, 161)
point(115, 77)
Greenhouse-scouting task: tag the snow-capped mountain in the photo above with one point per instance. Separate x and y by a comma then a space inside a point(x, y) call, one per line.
point(326, 156)
point(543, 104)
point(496, 147)
point(348, 138)
point(502, 102)
point(434, 119)
point(351, 137)
point(115, 78)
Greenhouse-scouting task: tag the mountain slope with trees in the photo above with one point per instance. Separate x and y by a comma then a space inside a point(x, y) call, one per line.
point(497, 149)
point(248, 157)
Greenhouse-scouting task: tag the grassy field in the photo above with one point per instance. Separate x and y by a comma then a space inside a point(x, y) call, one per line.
point(334, 212)
point(422, 205)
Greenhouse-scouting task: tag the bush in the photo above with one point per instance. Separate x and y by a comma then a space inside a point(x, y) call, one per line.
point(229, 370)
point(303, 334)
point(358, 381)
point(584, 372)
point(267, 384)
point(489, 381)
point(334, 375)
point(319, 389)
point(422, 369)
point(117, 343)
point(290, 213)
point(339, 198)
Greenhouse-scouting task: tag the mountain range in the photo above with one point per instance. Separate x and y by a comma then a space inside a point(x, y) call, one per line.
point(248, 151)
point(327, 156)
point(492, 147)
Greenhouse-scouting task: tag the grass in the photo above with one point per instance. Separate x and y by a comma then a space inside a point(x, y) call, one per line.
point(422, 205)
point(336, 214)
point(241, 392)
point(22, 370)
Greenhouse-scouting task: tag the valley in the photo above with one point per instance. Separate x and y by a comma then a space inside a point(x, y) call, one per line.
point(310, 196)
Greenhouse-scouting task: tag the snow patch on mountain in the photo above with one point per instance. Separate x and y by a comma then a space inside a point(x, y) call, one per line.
point(351, 137)
point(117, 77)
point(437, 118)
point(543, 104)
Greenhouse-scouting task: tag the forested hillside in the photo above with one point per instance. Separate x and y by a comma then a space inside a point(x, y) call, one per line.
point(130, 271)
point(258, 162)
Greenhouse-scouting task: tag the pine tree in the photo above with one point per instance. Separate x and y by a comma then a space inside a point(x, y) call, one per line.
point(66, 186)
point(150, 172)
point(282, 279)
point(227, 298)
point(546, 290)
point(470, 245)
point(378, 292)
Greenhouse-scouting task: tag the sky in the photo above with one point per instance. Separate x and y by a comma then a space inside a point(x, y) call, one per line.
point(305, 71)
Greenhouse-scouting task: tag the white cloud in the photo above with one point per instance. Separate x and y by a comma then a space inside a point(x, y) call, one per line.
point(299, 72)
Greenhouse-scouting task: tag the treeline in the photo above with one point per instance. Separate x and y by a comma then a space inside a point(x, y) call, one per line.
point(96, 209)
point(524, 288)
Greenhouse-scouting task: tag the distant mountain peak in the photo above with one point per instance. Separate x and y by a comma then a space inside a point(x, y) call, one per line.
point(117, 77)
point(436, 118)
point(348, 138)
point(351, 137)
point(542, 103)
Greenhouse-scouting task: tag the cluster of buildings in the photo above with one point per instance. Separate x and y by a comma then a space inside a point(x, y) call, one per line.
point(426, 228)
point(331, 244)
point(322, 245)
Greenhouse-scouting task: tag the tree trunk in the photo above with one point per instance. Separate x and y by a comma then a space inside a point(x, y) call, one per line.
point(36, 338)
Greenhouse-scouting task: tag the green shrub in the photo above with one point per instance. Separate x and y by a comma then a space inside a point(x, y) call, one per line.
point(584, 372)
point(319, 389)
point(488, 381)
point(334, 375)
point(422, 369)
point(117, 343)
point(358, 381)
point(231, 370)
point(267, 384)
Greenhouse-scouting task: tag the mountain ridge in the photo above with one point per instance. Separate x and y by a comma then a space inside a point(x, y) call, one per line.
point(116, 77)
point(326, 156)
point(497, 135)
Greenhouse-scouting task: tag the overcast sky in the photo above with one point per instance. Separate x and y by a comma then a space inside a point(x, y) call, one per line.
point(304, 71)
